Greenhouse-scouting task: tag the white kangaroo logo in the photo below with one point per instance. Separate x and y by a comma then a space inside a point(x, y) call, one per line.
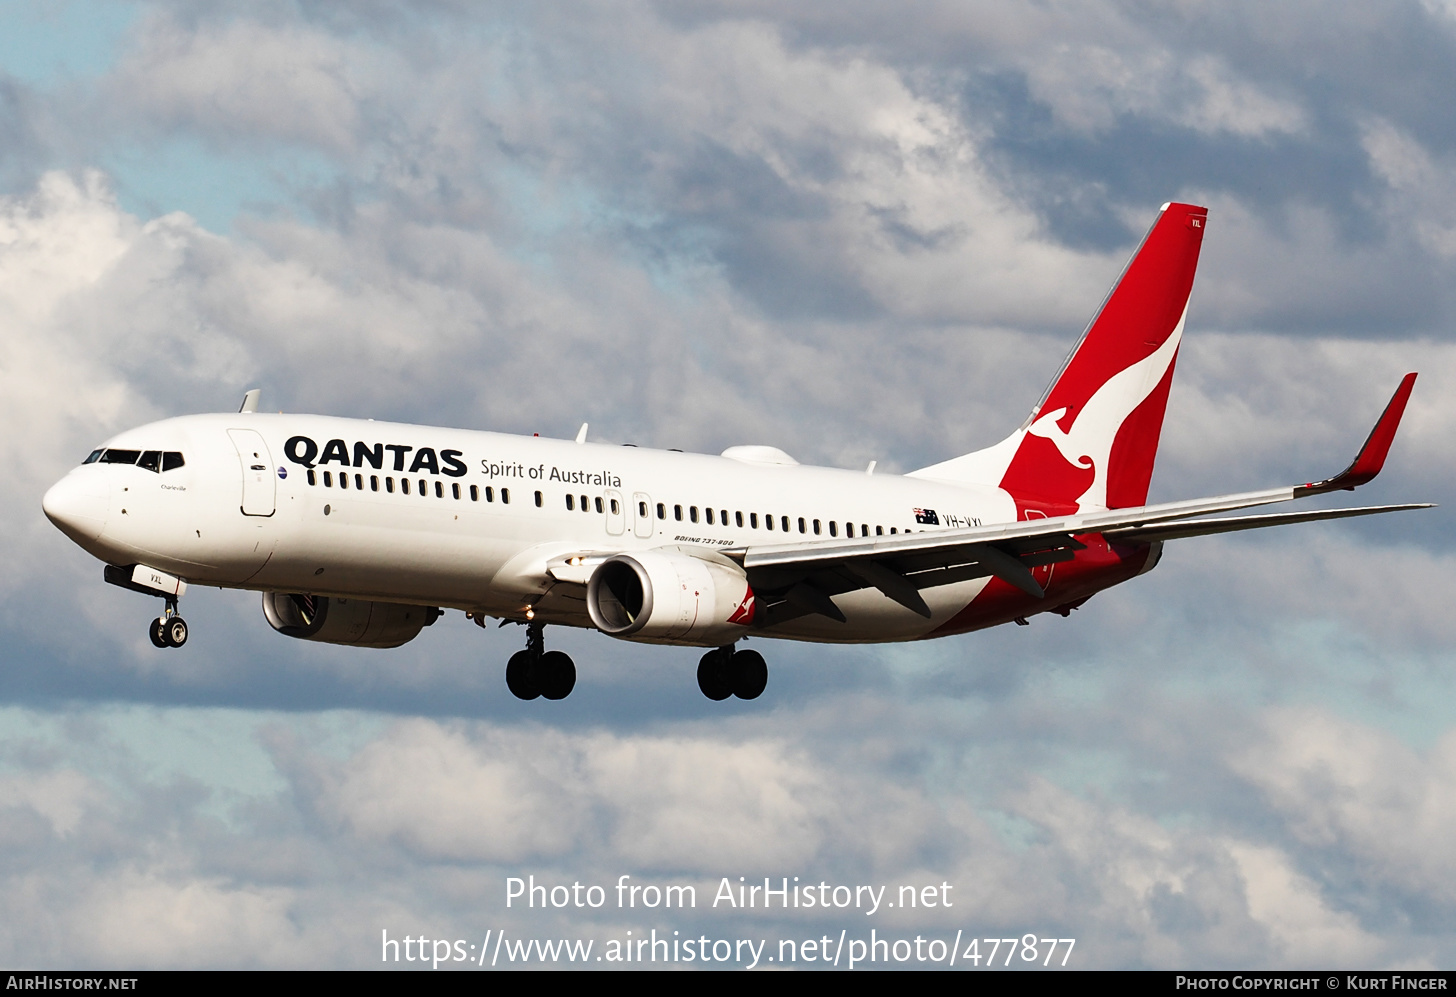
point(1089, 442)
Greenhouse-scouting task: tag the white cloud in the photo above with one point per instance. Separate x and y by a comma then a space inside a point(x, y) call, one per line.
point(288, 82)
point(1090, 86)
point(1358, 792)
point(60, 796)
point(1302, 928)
point(1421, 189)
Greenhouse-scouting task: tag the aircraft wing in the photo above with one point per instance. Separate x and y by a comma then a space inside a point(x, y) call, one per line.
point(806, 574)
point(1178, 529)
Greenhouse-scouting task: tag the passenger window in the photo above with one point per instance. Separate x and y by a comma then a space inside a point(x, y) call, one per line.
point(879, 531)
point(171, 460)
point(833, 528)
point(693, 513)
point(343, 479)
point(738, 518)
point(801, 525)
point(475, 493)
point(816, 527)
point(403, 483)
point(570, 502)
point(311, 478)
point(642, 509)
point(120, 456)
point(710, 516)
point(440, 491)
point(424, 488)
point(505, 496)
point(374, 482)
point(328, 480)
point(661, 511)
point(489, 493)
point(538, 500)
point(892, 529)
point(359, 482)
point(848, 530)
point(599, 503)
point(784, 522)
point(677, 513)
point(616, 508)
point(753, 520)
point(389, 485)
point(864, 529)
point(768, 521)
point(455, 489)
point(95, 456)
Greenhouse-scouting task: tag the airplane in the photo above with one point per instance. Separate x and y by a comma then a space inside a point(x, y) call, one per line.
point(362, 533)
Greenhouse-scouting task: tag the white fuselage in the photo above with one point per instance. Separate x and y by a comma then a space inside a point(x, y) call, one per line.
point(471, 520)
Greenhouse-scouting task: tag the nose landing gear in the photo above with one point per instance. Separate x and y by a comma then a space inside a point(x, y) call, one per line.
point(169, 629)
point(538, 672)
point(724, 672)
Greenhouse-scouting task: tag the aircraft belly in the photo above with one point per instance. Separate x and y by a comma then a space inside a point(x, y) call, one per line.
point(872, 618)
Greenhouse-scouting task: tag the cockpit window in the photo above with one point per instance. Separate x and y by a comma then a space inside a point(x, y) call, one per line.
point(152, 460)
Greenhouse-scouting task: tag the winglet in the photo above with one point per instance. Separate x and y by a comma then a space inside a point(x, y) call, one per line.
point(250, 400)
point(1371, 458)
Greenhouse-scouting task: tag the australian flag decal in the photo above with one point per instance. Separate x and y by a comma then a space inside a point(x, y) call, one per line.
point(927, 517)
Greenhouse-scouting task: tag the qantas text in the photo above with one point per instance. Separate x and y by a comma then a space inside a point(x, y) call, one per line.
point(302, 450)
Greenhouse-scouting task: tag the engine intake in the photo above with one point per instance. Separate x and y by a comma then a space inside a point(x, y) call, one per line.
point(346, 621)
point(672, 596)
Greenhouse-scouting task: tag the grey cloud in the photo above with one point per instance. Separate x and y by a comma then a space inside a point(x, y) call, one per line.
point(435, 816)
point(856, 237)
point(768, 146)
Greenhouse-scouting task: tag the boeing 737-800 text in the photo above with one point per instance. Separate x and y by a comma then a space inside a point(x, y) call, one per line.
point(361, 532)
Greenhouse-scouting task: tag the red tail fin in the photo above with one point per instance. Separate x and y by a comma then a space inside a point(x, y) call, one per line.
point(1092, 439)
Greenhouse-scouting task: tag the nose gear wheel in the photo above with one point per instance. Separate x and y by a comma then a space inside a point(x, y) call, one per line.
point(169, 629)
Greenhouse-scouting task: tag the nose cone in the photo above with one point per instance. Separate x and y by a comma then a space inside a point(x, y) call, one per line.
point(78, 504)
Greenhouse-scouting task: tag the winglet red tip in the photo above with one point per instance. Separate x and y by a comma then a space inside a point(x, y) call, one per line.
point(1371, 458)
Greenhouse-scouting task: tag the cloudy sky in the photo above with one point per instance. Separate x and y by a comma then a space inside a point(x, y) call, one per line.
point(851, 230)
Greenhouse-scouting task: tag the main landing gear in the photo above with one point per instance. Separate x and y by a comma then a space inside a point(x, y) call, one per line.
point(539, 672)
point(169, 629)
point(724, 672)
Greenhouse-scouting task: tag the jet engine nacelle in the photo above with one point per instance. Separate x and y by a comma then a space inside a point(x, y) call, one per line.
point(670, 595)
point(346, 621)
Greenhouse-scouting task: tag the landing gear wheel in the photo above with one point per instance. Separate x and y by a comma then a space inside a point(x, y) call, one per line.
point(555, 675)
point(157, 631)
point(520, 677)
point(750, 674)
point(715, 675)
point(174, 631)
